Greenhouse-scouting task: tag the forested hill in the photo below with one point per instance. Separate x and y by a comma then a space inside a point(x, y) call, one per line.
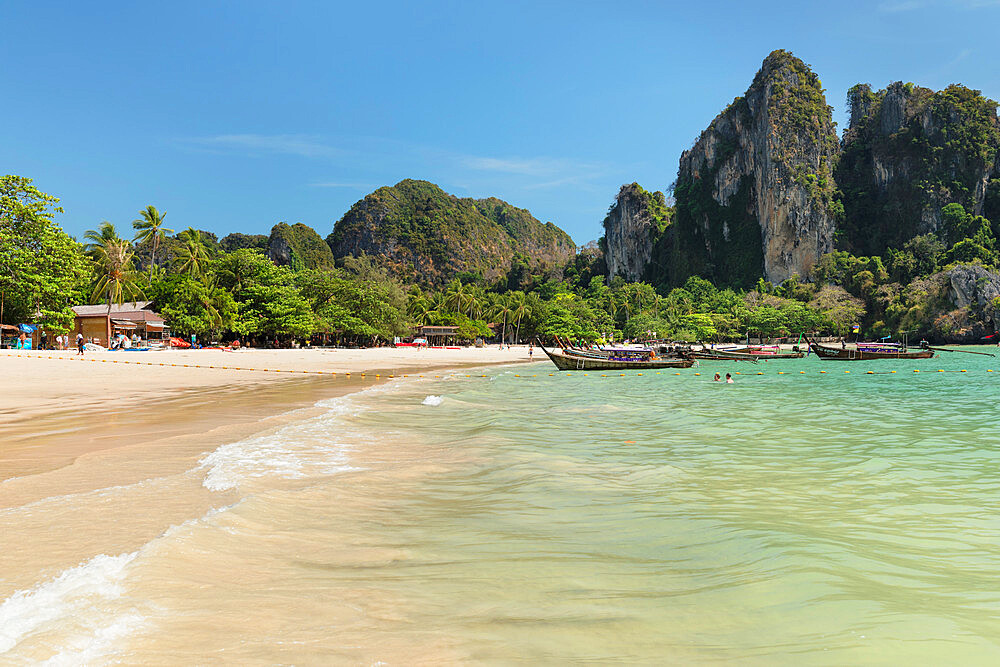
point(908, 153)
point(423, 234)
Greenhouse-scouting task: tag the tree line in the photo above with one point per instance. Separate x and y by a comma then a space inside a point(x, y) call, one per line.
point(204, 290)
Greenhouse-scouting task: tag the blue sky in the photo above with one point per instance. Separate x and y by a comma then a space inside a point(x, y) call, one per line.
point(232, 116)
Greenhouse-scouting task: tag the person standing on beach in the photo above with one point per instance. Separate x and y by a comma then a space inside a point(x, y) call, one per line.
point(79, 344)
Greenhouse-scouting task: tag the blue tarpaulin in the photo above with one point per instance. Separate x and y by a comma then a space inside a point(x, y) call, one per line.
point(27, 328)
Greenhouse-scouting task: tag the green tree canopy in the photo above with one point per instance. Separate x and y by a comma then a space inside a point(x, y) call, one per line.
point(267, 299)
point(42, 269)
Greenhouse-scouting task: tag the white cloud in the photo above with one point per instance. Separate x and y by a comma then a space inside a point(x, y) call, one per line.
point(364, 157)
point(288, 144)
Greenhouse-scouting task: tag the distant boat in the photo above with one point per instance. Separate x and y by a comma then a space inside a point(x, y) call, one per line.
point(613, 360)
point(745, 353)
point(867, 351)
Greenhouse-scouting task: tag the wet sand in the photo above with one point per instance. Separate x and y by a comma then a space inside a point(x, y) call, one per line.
point(82, 475)
point(42, 382)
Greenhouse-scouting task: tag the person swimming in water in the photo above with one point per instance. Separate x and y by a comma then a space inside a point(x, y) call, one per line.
point(729, 379)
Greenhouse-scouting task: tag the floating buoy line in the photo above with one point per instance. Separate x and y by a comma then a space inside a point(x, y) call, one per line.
point(366, 374)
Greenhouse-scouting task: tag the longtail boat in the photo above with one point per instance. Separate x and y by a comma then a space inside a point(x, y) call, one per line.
point(770, 352)
point(569, 360)
point(745, 353)
point(868, 351)
point(710, 354)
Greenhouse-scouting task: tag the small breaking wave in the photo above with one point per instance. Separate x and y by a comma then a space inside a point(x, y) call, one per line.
point(433, 400)
point(315, 446)
point(76, 590)
point(84, 613)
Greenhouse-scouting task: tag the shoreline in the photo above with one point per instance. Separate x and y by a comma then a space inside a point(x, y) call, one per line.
point(60, 412)
point(106, 468)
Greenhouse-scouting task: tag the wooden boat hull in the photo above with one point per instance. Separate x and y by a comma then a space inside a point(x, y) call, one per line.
point(723, 355)
point(744, 354)
point(853, 354)
point(572, 362)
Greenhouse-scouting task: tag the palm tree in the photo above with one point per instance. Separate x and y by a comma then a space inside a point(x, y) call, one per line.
point(116, 279)
point(502, 310)
point(457, 296)
point(96, 239)
point(210, 302)
point(419, 307)
point(477, 301)
point(192, 258)
point(519, 309)
point(437, 307)
point(150, 227)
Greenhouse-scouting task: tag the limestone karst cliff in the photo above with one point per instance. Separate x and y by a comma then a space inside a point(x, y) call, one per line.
point(298, 246)
point(755, 194)
point(907, 153)
point(421, 233)
point(634, 224)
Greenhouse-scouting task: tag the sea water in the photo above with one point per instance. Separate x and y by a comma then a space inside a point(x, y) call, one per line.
point(802, 515)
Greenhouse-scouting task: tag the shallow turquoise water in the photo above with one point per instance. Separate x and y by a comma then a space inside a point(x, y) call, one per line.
point(821, 518)
point(527, 516)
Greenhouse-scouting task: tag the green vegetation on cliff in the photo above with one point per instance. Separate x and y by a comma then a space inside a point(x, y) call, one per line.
point(423, 234)
point(298, 246)
point(944, 291)
point(237, 241)
point(728, 251)
point(909, 152)
point(757, 182)
point(637, 234)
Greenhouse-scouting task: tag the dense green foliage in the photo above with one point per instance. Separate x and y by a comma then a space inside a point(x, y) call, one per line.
point(238, 241)
point(425, 235)
point(729, 250)
point(217, 294)
point(299, 246)
point(42, 270)
point(908, 153)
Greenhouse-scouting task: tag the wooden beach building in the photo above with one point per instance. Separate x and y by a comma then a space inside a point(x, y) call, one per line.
point(94, 322)
point(437, 335)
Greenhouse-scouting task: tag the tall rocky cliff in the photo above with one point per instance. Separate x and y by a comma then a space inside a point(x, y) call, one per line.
point(755, 194)
point(424, 234)
point(633, 226)
point(907, 153)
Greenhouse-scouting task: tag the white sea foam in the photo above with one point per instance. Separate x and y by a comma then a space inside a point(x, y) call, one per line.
point(85, 606)
point(85, 650)
point(433, 400)
point(318, 445)
point(74, 591)
point(102, 492)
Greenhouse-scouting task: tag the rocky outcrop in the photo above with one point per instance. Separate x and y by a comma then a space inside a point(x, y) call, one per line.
point(633, 224)
point(907, 153)
point(976, 288)
point(755, 194)
point(957, 305)
point(298, 246)
point(423, 234)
